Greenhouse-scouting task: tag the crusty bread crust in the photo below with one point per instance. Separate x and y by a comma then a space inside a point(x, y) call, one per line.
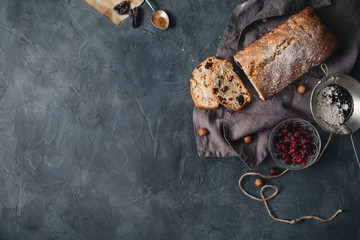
point(227, 87)
point(286, 53)
point(200, 89)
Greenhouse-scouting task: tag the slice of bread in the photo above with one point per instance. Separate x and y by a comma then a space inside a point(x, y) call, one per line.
point(227, 87)
point(199, 85)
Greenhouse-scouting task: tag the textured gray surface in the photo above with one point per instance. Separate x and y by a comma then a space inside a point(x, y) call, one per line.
point(97, 139)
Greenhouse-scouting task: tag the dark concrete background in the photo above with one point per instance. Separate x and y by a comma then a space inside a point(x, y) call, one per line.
point(97, 139)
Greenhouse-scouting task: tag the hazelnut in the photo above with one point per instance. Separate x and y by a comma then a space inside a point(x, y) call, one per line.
point(203, 131)
point(301, 88)
point(259, 182)
point(247, 139)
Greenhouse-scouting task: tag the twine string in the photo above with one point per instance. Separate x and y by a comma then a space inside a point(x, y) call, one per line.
point(326, 145)
point(263, 176)
point(293, 220)
point(265, 199)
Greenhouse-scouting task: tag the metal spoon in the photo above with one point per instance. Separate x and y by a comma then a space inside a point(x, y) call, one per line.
point(158, 15)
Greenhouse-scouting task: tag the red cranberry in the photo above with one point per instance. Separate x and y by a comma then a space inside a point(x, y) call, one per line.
point(274, 171)
point(293, 143)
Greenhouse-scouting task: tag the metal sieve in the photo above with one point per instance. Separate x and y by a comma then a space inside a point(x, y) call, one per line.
point(352, 122)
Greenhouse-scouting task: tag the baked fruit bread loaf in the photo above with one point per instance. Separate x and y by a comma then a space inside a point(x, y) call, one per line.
point(199, 85)
point(286, 53)
point(227, 87)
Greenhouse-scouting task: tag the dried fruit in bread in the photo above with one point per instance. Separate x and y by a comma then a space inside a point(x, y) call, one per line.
point(227, 87)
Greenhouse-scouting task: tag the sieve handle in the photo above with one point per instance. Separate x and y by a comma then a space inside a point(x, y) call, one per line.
point(353, 145)
point(325, 69)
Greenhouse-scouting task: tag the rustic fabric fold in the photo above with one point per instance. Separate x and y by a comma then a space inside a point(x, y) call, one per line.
point(248, 22)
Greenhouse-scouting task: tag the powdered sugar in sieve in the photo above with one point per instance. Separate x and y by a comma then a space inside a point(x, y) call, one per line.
point(334, 105)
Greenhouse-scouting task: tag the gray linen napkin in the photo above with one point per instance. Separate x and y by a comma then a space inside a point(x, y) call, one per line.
point(248, 22)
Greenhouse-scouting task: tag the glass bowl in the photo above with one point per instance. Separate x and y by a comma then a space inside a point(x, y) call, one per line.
point(316, 142)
